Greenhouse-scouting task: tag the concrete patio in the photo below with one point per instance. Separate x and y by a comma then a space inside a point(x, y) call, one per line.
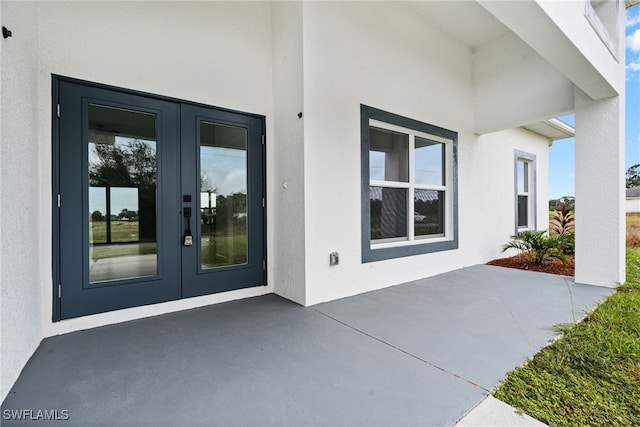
point(421, 353)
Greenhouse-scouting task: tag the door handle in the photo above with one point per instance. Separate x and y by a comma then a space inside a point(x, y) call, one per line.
point(187, 239)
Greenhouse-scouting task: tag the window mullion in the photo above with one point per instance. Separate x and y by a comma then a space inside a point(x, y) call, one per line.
point(430, 187)
point(411, 195)
point(389, 184)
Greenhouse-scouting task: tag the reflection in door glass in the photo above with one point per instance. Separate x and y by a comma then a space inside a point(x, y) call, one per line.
point(223, 195)
point(122, 194)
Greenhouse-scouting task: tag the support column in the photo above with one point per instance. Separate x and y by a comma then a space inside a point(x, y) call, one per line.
point(600, 194)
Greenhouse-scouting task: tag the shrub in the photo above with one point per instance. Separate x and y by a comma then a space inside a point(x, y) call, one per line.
point(562, 221)
point(633, 239)
point(567, 243)
point(562, 224)
point(538, 246)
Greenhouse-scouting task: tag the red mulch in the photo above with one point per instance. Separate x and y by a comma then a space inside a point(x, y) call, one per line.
point(552, 266)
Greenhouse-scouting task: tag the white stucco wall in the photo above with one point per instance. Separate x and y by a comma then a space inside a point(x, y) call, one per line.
point(515, 86)
point(559, 32)
point(21, 209)
point(490, 165)
point(288, 167)
point(571, 20)
point(600, 197)
point(632, 205)
point(600, 146)
point(416, 71)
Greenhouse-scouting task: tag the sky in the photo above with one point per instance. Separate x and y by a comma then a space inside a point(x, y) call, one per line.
point(561, 154)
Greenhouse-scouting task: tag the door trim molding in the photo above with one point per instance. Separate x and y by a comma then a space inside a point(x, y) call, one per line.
point(58, 78)
point(55, 190)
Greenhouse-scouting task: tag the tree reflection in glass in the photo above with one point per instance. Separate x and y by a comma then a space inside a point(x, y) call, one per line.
point(122, 194)
point(223, 195)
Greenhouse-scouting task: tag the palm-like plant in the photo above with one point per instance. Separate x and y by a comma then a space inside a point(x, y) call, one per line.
point(562, 221)
point(562, 224)
point(537, 246)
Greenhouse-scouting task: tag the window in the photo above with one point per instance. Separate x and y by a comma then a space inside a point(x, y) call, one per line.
point(409, 192)
point(525, 196)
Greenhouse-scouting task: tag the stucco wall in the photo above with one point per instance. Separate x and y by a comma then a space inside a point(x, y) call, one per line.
point(217, 53)
point(632, 205)
point(561, 33)
point(571, 20)
point(288, 167)
point(352, 57)
point(515, 86)
point(600, 197)
point(494, 154)
point(21, 209)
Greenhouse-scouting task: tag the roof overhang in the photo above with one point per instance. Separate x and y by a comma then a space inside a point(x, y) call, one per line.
point(631, 3)
point(552, 129)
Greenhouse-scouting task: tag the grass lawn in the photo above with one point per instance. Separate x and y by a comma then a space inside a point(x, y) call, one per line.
point(590, 376)
point(633, 230)
point(121, 231)
point(225, 250)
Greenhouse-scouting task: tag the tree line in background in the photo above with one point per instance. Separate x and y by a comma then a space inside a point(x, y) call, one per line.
point(632, 180)
point(133, 165)
point(633, 176)
point(124, 215)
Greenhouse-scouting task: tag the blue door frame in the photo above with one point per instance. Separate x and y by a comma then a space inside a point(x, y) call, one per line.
point(179, 273)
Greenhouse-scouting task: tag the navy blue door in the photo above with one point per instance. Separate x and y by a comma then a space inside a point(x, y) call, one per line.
point(159, 199)
point(223, 176)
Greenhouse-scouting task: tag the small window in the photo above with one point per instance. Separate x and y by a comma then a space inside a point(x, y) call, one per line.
point(409, 186)
point(525, 191)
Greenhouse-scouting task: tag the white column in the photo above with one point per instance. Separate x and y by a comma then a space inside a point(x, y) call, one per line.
point(600, 195)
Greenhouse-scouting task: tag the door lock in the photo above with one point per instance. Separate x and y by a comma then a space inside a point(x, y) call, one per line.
point(187, 240)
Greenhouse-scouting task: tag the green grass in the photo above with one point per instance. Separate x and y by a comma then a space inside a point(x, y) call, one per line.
point(590, 376)
point(121, 231)
point(225, 250)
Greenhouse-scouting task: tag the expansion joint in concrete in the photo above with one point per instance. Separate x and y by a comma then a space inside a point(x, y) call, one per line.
point(468, 381)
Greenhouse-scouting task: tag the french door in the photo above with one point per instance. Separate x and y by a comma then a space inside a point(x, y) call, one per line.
point(157, 199)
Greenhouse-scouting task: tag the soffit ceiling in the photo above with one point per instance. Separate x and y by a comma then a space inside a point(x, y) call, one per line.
point(552, 129)
point(464, 21)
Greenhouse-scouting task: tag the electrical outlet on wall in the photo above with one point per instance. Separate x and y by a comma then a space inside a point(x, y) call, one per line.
point(334, 258)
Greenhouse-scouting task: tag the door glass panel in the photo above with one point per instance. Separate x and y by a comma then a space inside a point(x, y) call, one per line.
point(122, 194)
point(223, 195)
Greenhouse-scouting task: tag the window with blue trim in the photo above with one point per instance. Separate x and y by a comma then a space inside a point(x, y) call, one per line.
point(409, 186)
point(525, 195)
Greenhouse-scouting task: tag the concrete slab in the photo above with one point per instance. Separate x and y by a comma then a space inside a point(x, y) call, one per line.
point(478, 322)
point(495, 413)
point(123, 267)
point(262, 361)
point(407, 355)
